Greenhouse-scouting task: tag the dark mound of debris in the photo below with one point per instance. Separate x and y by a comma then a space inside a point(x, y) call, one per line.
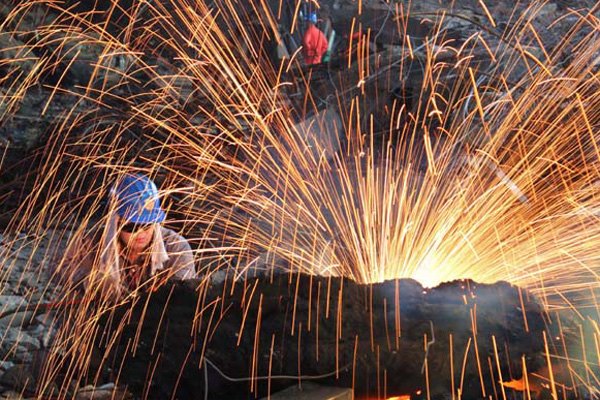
point(244, 339)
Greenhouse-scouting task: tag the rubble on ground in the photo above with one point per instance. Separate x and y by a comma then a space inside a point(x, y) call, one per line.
point(25, 330)
point(345, 334)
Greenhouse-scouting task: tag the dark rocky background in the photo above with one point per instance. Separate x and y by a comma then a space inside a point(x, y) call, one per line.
point(29, 121)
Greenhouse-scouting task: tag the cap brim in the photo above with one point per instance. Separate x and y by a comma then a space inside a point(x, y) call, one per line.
point(154, 216)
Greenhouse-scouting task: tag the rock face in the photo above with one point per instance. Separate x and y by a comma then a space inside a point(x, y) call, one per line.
point(373, 338)
point(24, 288)
point(56, 66)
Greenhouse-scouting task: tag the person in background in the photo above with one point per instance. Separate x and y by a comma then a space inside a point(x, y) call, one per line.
point(132, 251)
point(314, 42)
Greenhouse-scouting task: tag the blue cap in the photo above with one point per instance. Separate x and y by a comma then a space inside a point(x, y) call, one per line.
point(312, 17)
point(137, 200)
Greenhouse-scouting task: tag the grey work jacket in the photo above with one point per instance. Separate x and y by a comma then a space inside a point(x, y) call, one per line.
point(85, 266)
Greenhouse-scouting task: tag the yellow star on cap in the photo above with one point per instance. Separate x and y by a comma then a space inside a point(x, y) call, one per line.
point(149, 204)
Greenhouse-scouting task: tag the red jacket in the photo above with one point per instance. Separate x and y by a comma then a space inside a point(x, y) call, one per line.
point(314, 45)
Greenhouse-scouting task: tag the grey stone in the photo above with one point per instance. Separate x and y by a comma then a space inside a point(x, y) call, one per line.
point(36, 331)
point(6, 365)
point(19, 378)
point(218, 277)
point(18, 344)
point(48, 338)
point(314, 392)
point(548, 9)
point(24, 253)
point(103, 392)
point(460, 23)
point(8, 302)
point(18, 319)
point(44, 333)
point(46, 319)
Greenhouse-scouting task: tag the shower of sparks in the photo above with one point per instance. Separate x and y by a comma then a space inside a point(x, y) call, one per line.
point(491, 175)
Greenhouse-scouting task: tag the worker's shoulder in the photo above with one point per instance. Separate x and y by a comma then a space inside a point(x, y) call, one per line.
point(312, 29)
point(84, 242)
point(173, 240)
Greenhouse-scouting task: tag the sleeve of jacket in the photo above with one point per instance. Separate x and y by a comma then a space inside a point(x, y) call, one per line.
point(74, 266)
point(181, 257)
point(76, 269)
point(307, 42)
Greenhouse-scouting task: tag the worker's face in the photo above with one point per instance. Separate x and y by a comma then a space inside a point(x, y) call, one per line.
point(136, 237)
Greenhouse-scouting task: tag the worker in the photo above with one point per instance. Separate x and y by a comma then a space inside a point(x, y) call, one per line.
point(128, 253)
point(314, 42)
point(132, 250)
